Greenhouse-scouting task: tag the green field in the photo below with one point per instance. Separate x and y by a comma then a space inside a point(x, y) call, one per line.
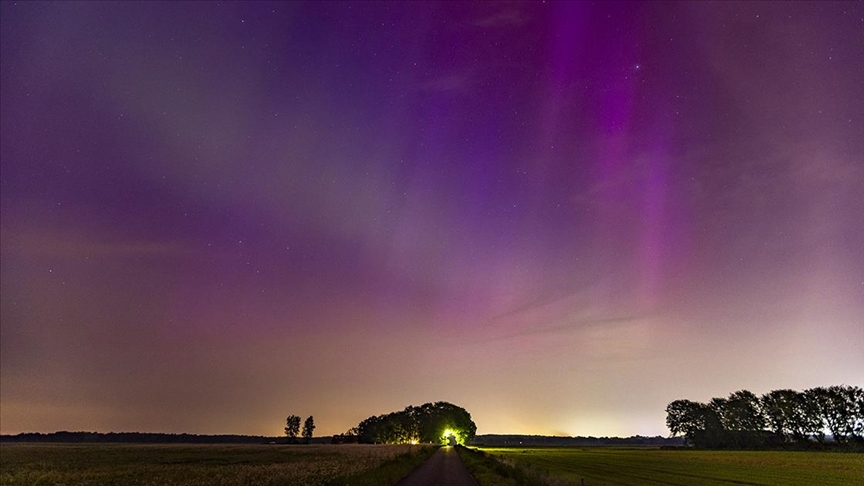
point(614, 466)
point(139, 464)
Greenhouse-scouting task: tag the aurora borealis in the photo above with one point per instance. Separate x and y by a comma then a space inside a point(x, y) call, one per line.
point(560, 216)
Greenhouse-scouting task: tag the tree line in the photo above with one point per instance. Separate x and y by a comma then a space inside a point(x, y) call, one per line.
point(779, 418)
point(439, 422)
point(292, 428)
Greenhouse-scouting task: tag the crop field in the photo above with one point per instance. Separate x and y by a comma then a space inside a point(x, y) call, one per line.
point(140, 464)
point(613, 466)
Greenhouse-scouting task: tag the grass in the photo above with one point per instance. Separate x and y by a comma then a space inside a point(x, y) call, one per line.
point(647, 466)
point(389, 472)
point(138, 464)
point(488, 471)
point(359, 465)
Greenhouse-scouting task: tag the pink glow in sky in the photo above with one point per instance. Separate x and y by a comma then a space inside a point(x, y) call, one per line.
point(561, 216)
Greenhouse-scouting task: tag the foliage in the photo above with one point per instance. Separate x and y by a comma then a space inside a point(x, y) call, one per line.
point(308, 428)
point(791, 414)
point(684, 417)
point(426, 423)
point(292, 427)
point(742, 411)
point(842, 410)
point(791, 417)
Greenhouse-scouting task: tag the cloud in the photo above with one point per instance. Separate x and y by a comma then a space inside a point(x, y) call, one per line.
point(577, 324)
point(579, 310)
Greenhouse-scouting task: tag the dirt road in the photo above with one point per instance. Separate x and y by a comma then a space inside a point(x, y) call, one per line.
point(443, 468)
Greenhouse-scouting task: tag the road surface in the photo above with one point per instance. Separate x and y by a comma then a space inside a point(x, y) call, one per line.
point(444, 468)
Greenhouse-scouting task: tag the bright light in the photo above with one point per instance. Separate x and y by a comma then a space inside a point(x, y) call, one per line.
point(448, 433)
point(414, 442)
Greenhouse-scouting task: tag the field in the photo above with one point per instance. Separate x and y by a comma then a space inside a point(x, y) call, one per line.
point(614, 466)
point(134, 464)
point(139, 464)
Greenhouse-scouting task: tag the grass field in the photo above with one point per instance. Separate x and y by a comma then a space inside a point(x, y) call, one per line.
point(134, 464)
point(613, 466)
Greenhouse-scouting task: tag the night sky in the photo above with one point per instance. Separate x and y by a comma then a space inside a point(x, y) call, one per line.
point(560, 216)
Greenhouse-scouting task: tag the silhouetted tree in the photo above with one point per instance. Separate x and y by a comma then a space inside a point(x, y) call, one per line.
point(825, 401)
point(705, 425)
point(791, 414)
point(743, 411)
point(368, 430)
point(838, 409)
point(436, 418)
point(855, 399)
point(712, 434)
point(741, 415)
point(426, 423)
point(308, 428)
point(292, 427)
point(685, 418)
point(779, 411)
point(793, 418)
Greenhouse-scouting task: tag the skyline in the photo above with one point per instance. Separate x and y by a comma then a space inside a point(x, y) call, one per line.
point(559, 216)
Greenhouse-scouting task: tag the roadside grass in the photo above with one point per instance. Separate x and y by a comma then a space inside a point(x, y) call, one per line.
point(226, 465)
point(389, 472)
point(490, 471)
point(648, 466)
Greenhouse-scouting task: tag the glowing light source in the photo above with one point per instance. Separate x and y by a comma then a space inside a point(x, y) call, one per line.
point(450, 436)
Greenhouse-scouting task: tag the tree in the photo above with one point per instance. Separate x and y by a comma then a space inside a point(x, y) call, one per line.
point(431, 422)
point(686, 418)
point(702, 425)
point(292, 427)
point(743, 412)
point(308, 427)
point(831, 407)
point(792, 414)
point(855, 400)
point(779, 410)
point(437, 421)
point(739, 421)
point(841, 409)
point(743, 420)
point(369, 430)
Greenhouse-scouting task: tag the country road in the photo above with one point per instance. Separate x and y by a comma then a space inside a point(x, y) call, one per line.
point(443, 468)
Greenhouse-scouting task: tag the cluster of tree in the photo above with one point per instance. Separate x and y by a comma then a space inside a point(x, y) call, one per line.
point(135, 437)
point(438, 422)
point(776, 419)
point(292, 428)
